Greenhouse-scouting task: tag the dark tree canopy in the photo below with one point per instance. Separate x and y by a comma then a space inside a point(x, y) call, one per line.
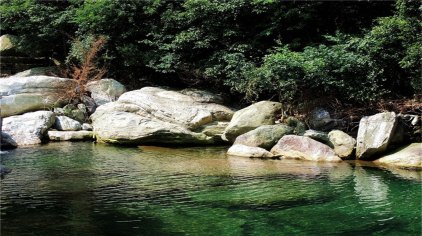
point(354, 50)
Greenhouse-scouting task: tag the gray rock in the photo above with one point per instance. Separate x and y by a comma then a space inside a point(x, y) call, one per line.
point(86, 126)
point(343, 143)
point(23, 94)
point(7, 142)
point(320, 119)
point(89, 104)
point(303, 148)
point(37, 71)
point(105, 90)
point(251, 117)
point(214, 130)
point(375, 134)
point(156, 115)
point(298, 126)
point(78, 112)
point(265, 136)
point(203, 96)
point(29, 128)
point(64, 123)
point(318, 136)
point(70, 135)
point(406, 157)
point(247, 151)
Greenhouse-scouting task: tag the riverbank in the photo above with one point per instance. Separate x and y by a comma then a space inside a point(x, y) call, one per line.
point(36, 109)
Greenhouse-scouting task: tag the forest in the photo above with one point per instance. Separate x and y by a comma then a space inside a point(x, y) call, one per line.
point(291, 51)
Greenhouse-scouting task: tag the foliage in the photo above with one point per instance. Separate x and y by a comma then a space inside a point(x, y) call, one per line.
point(287, 50)
point(41, 26)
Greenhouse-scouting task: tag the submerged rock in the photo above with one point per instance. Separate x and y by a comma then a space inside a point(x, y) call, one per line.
point(303, 148)
point(70, 135)
point(29, 128)
point(375, 134)
point(23, 94)
point(247, 151)
point(105, 90)
point(343, 143)
point(409, 156)
point(156, 115)
point(4, 171)
point(7, 142)
point(251, 117)
point(265, 136)
point(65, 123)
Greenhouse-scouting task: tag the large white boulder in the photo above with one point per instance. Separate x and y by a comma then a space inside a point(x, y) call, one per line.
point(408, 157)
point(105, 90)
point(251, 117)
point(157, 115)
point(265, 136)
point(303, 148)
point(375, 134)
point(29, 128)
point(24, 94)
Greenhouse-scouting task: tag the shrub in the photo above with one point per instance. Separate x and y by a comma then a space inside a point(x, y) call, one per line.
point(83, 66)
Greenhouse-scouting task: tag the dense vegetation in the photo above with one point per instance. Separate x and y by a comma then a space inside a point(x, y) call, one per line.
point(292, 51)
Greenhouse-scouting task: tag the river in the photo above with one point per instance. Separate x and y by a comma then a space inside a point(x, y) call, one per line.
point(95, 189)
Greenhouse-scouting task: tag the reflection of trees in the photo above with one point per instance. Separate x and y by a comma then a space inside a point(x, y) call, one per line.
point(372, 192)
point(51, 179)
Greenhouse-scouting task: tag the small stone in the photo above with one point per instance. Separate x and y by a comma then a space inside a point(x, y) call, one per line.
point(70, 135)
point(86, 126)
point(65, 123)
point(246, 151)
point(343, 143)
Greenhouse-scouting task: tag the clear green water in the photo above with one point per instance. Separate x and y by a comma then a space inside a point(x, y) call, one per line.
point(88, 189)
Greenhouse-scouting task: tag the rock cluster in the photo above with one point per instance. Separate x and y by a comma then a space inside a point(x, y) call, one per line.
point(157, 115)
point(32, 107)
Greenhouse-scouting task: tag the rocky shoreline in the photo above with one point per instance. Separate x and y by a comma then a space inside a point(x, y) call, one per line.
point(34, 110)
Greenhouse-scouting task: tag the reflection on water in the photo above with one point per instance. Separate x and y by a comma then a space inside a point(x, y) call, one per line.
point(87, 189)
point(371, 191)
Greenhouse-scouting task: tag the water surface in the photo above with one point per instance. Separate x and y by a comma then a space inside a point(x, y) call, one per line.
point(94, 189)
